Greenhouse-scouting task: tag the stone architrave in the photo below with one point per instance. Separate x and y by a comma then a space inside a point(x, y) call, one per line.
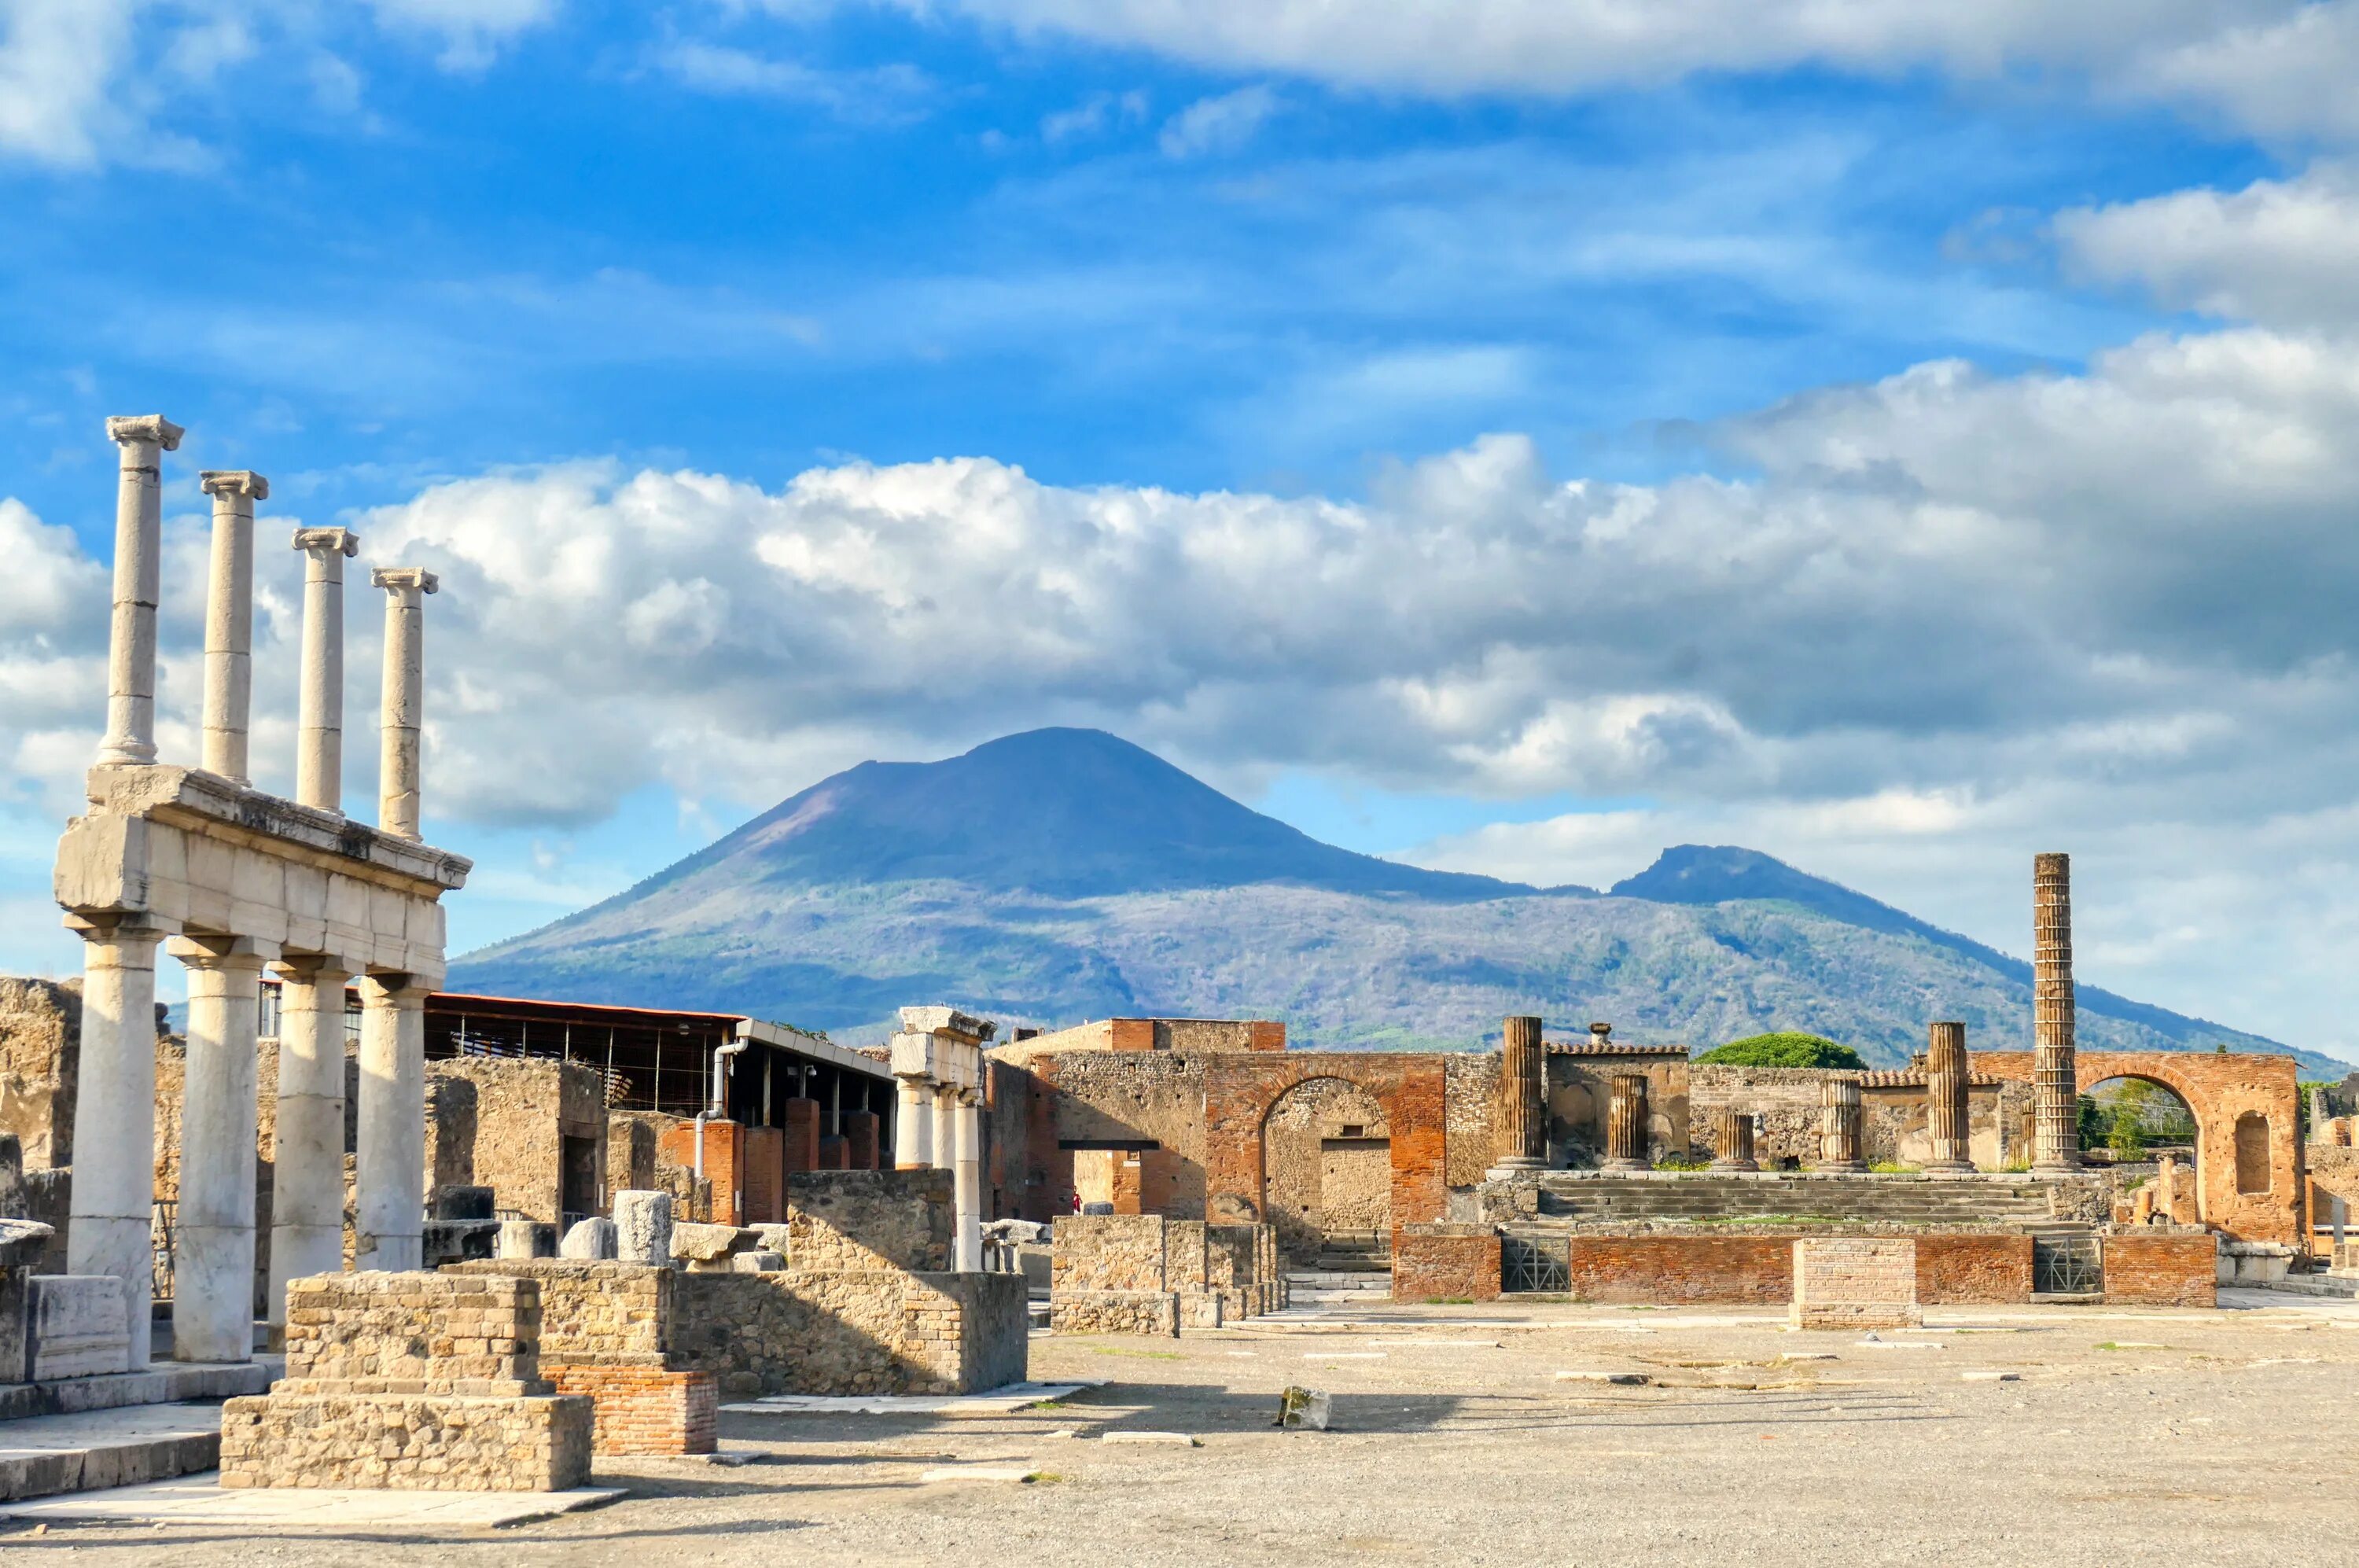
point(643, 1227)
point(2056, 1143)
point(1839, 1126)
point(590, 1240)
point(1733, 1141)
point(1523, 1119)
point(1945, 1099)
point(1625, 1123)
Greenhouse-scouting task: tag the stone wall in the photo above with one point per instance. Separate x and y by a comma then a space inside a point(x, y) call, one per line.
point(1150, 1313)
point(1895, 1121)
point(1327, 1163)
point(860, 1220)
point(790, 1332)
point(411, 1334)
point(1214, 1273)
point(1784, 1102)
point(500, 1122)
point(41, 1046)
point(1107, 1252)
point(1446, 1262)
point(1578, 1084)
point(1854, 1282)
point(1240, 1091)
point(2161, 1268)
point(1471, 1114)
point(1042, 1102)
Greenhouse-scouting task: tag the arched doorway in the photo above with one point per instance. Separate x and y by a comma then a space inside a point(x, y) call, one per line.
point(1326, 1165)
point(2136, 1119)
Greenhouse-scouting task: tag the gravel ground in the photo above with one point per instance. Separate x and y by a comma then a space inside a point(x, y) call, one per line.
point(2192, 1438)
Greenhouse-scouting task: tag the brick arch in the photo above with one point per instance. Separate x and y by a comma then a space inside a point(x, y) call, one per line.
point(1240, 1090)
point(2219, 1089)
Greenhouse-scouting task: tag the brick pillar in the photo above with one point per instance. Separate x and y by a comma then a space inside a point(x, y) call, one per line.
point(2055, 1144)
point(1625, 1124)
point(1838, 1131)
point(1733, 1141)
point(1945, 1099)
point(801, 1123)
point(831, 1155)
point(1522, 1140)
point(860, 1130)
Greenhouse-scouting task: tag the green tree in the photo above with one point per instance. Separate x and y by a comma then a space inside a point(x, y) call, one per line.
point(1786, 1048)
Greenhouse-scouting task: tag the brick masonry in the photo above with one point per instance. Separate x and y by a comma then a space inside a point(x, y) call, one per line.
point(1984, 1268)
point(1446, 1263)
point(2162, 1269)
point(1854, 1282)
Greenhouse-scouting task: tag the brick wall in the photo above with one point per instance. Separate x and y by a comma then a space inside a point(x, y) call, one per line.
point(2161, 1269)
point(1240, 1090)
point(1623, 1270)
point(1446, 1263)
point(1981, 1270)
point(723, 1154)
point(646, 1410)
point(1854, 1282)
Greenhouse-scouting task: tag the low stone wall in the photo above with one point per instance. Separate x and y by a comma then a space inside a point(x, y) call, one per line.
point(883, 1332)
point(853, 1221)
point(1109, 1253)
point(1153, 1313)
point(421, 1443)
point(2175, 1268)
point(412, 1333)
point(1445, 1262)
point(1628, 1269)
point(1854, 1282)
point(1973, 1270)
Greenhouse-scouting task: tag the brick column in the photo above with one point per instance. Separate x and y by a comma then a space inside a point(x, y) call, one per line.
point(1522, 1141)
point(1945, 1099)
point(800, 1117)
point(1839, 1129)
point(860, 1129)
point(1733, 1141)
point(2056, 1145)
point(1625, 1124)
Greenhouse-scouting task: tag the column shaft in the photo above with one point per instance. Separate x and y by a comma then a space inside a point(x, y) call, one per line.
point(2055, 1079)
point(1626, 1139)
point(913, 1126)
point(1839, 1126)
point(389, 1176)
point(1733, 1141)
point(212, 1256)
point(967, 1171)
point(320, 703)
point(306, 1177)
point(1522, 1141)
point(1945, 1098)
point(403, 697)
point(228, 621)
point(945, 1133)
point(138, 550)
point(114, 1201)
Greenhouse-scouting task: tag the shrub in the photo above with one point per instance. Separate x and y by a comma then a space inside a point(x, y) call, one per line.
point(1786, 1048)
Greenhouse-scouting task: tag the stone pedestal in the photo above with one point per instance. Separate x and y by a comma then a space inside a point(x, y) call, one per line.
point(1855, 1282)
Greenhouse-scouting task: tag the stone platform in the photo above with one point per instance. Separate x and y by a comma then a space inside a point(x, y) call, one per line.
point(198, 1502)
point(44, 1455)
point(164, 1383)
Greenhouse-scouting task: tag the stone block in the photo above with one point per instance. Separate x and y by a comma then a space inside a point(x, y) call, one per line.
point(408, 1442)
point(1151, 1312)
point(1854, 1282)
point(643, 1227)
point(590, 1240)
point(77, 1326)
point(757, 1262)
point(526, 1238)
point(706, 1243)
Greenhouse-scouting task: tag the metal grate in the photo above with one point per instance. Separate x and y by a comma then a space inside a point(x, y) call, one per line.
point(1545, 1266)
point(2067, 1266)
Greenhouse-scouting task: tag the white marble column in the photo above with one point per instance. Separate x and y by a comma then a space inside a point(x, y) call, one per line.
point(213, 1254)
point(229, 619)
point(945, 1134)
point(967, 1173)
point(138, 550)
point(404, 689)
point(307, 1176)
point(320, 703)
point(389, 1177)
point(114, 1201)
point(913, 1125)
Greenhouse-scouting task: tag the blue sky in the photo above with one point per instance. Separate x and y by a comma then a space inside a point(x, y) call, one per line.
point(437, 267)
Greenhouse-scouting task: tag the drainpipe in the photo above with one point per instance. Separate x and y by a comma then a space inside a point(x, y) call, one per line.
point(718, 1104)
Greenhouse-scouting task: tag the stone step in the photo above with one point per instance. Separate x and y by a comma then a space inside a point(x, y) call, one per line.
point(41, 1456)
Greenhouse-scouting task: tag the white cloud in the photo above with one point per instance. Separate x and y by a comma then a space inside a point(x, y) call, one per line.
point(880, 92)
point(56, 58)
point(1224, 124)
point(2282, 251)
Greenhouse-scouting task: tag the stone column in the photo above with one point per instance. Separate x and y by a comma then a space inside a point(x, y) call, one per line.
point(114, 1201)
point(131, 637)
point(319, 703)
point(307, 1176)
point(1522, 1141)
point(1945, 1099)
point(967, 1173)
point(229, 625)
point(1732, 1142)
point(212, 1253)
point(2055, 1080)
point(1625, 1124)
point(1839, 1129)
point(405, 682)
point(945, 1134)
point(389, 1164)
point(913, 1125)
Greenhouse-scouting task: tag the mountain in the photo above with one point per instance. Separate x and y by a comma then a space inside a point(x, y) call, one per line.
point(1063, 874)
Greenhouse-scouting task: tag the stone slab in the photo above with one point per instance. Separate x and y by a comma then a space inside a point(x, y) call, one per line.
point(998, 1402)
point(49, 1454)
point(197, 1500)
point(163, 1383)
point(77, 1326)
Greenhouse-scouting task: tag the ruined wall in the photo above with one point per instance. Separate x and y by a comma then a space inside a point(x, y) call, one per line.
point(2161, 1269)
point(1979, 1271)
point(500, 1122)
point(860, 1220)
point(1579, 1083)
point(1241, 1089)
point(1121, 1253)
point(1471, 1090)
point(878, 1333)
point(1784, 1102)
point(1896, 1126)
point(1327, 1163)
point(1446, 1263)
point(40, 1048)
point(1039, 1102)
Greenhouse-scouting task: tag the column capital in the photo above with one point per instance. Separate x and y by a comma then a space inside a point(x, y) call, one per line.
point(233, 482)
point(335, 542)
point(112, 927)
point(400, 990)
point(317, 968)
point(397, 578)
point(127, 429)
point(222, 951)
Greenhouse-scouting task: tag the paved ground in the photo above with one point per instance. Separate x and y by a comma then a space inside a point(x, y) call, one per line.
point(2185, 1438)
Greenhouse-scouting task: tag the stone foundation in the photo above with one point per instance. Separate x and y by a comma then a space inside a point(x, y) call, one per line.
point(1854, 1282)
point(1153, 1313)
point(798, 1332)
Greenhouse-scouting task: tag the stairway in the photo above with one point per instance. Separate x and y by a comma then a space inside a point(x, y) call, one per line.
point(1353, 1269)
point(1895, 1199)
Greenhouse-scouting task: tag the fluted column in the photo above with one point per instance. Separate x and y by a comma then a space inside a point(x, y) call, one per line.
point(306, 1175)
point(114, 1199)
point(228, 621)
point(2055, 1078)
point(1945, 1099)
point(212, 1253)
point(1839, 1128)
point(1625, 1124)
point(389, 1152)
point(1733, 1141)
point(138, 550)
point(1522, 1140)
point(913, 1123)
point(967, 1175)
point(405, 682)
point(319, 703)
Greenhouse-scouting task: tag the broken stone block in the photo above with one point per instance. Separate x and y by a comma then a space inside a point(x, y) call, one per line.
point(591, 1240)
point(643, 1227)
point(704, 1243)
point(77, 1326)
point(526, 1238)
point(1304, 1409)
point(757, 1262)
